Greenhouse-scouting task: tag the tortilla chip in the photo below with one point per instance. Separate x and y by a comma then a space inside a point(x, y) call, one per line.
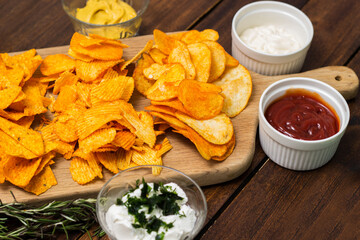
point(41, 182)
point(65, 78)
point(57, 63)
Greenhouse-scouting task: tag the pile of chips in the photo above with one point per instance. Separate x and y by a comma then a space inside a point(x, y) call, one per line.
point(194, 86)
point(92, 124)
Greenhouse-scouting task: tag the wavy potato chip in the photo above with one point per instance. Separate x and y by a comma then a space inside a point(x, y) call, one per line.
point(97, 139)
point(66, 98)
point(66, 132)
point(236, 86)
point(81, 171)
point(200, 100)
point(217, 130)
point(201, 57)
point(218, 60)
point(124, 139)
point(91, 71)
point(108, 160)
point(57, 63)
point(91, 160)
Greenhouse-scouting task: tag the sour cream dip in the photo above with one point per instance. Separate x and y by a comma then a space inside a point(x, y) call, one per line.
point(271, 39)
point(160, 213)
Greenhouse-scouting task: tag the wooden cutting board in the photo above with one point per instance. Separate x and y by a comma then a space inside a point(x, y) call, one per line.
point(184, 155)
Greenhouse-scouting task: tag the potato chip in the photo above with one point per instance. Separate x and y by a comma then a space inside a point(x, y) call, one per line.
point(97, 139)
point(158, 56)
point(201, 57)
point(154, 71)
point(79, 56)
point(218, 60)
point(144, 131)
point(57, 63)
point(177, 35)
point(92, 161)
point(173, 103)
point(230, 148)
point(81, 171)
point(161, 109)
point(147, 47)
point(108, 160)
point(20, 171)
point(63, 148)
point(230, 61)
point(124, 139)
point(90, 71)
point(147, 156)
point(200, 100)
point(236, 86)
point(95, 117)
point(164, 147)
point(83, 91)
point(194, 36)
point(129, 89)
point(217, 130)
point(65, 78)
point(41, 182)
point(102, 50)
point(180, 54)
point(164, 42)
point(8, 95)
point(141, 82)
point(111, 89)
point(173, 121)
point(206, 149)
point(28, 138)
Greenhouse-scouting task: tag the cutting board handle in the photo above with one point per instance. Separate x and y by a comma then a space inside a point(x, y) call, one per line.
point(341, 78)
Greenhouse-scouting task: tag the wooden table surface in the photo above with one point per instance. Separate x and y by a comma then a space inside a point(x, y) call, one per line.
point(267, 201)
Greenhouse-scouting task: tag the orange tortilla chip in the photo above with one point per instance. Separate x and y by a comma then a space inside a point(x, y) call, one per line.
point(8, 95)
point(81, 171)
point(65, 98)
point(57, 63)
point(23, 136)
point(65, 131)
point(41, 182)
point(65, 78)
point(45, 161)
point(20, 171)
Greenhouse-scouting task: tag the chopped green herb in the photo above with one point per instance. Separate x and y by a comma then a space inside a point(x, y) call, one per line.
point(160, 236)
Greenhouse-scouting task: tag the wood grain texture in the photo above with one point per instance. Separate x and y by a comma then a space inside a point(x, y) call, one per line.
point(202, 171)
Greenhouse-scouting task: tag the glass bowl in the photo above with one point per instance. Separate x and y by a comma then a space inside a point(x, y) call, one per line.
point(126, 180)
point(126, 29)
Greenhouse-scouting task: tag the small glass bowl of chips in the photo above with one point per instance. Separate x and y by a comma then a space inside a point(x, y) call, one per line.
point(120, 30)
point(129, 179)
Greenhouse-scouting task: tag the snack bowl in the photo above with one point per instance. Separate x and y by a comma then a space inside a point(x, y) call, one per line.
point(125, 29)
point(124, 181)
point(294, 153)
point(265, 13)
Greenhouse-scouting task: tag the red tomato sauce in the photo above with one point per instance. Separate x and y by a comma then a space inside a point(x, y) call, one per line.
point(304, 115)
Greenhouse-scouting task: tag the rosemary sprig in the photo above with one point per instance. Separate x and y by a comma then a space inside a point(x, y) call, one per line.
point(47, 220)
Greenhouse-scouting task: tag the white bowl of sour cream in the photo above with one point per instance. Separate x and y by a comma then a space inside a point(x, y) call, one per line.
point(271, 38)
point(136, 205)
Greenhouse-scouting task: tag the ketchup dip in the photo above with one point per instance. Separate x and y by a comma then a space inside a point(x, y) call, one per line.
point(302, 114)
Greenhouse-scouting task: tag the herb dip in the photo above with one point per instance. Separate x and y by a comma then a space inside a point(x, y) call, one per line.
point(151, 211)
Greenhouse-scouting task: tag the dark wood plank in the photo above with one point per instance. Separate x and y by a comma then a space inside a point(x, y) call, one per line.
point(322, 204)
point(43, 23)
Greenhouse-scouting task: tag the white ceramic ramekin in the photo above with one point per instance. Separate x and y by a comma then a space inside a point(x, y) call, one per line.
point(275, 13)
point(293, 153)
